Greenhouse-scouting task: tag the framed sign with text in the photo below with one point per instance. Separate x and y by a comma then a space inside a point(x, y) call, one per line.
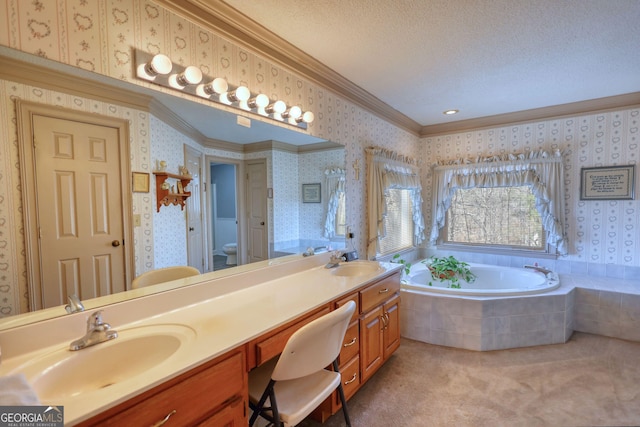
point(607, 183)
point(140, 182)
point(310, 193)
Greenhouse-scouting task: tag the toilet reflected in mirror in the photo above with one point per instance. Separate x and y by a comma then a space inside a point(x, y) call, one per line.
point(231, 251)
point(224, 230)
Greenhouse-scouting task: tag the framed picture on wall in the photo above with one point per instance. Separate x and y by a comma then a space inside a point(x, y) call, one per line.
point(311, 193)
point(140, 182)
point(607, 183)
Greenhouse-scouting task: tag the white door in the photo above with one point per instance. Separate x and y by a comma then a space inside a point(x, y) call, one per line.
point(195, 241)
point(79, 209)
point(257, 205)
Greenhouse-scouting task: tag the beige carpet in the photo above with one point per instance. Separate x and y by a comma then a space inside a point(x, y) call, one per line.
point(589, 381)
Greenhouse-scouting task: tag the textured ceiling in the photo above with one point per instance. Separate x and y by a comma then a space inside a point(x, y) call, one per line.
point(483, 57)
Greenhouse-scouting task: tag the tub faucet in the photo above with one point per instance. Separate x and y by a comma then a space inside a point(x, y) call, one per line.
point(336, 258)
point(75, 305)
point(538, 269)
point(97, 332)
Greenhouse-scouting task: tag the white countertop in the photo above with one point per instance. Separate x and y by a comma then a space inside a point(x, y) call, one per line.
point(223, 314)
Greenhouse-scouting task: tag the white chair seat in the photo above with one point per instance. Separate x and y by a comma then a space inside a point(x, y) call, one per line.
point(295, 398)
point(288, 388)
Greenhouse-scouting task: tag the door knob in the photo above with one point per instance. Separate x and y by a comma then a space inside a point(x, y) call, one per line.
point(262, 223)
point(115, 243)
point(191, 228)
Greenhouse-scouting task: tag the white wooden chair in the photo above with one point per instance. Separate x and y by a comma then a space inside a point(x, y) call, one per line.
point(286, 389)
point(162, 275)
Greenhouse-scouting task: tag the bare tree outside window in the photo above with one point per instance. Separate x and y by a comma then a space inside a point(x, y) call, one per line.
point(502, 216)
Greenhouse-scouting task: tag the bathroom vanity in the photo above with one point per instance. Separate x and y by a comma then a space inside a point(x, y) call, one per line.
point(218, 331)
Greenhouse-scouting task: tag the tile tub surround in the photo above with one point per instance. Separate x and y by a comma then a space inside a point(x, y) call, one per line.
point(488, 323)
point(582, 303)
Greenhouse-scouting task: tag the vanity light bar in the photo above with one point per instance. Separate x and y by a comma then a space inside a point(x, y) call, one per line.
point(160, 70)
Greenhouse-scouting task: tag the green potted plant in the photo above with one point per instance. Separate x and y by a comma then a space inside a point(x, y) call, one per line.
point(406, 265)
point(449, 269)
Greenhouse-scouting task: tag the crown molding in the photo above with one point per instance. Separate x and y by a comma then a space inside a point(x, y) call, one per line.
point(219, 17)
point(28, 73)
point(272, 145)
point(557, 111)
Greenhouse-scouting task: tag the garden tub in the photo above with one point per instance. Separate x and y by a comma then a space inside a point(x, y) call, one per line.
point(490, 280)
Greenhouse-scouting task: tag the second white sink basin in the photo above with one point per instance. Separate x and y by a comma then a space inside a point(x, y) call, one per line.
point(63, 373)
point(357, 268)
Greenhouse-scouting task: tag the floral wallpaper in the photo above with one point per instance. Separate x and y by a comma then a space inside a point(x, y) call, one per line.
point(101, 35)
point(13, 276)
point(604, 235)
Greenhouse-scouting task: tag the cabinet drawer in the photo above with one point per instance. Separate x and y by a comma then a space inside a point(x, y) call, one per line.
point(192, 399)
point(350, 374)
point(351, 343)
point(375, 294)
point(353, 297)
point(269, 348)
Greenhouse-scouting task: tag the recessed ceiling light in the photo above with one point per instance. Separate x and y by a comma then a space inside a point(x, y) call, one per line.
point(450, 112)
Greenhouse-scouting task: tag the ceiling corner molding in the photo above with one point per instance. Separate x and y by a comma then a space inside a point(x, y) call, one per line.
point(32, 74)
point(320, 146)
point(218, 144)
point(219, 17)
point(557, 111)
point(268, 145)
point(168, 116)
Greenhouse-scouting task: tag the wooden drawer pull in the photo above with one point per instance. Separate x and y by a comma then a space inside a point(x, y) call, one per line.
point(353, 378)
point(383, 291)
point(163, 421)
point(349, 344)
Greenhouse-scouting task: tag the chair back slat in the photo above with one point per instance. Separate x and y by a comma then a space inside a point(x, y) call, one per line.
point(314, 346)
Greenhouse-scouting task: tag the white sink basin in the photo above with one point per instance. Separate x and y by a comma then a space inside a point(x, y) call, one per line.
point(63, 373)
point(357, 268)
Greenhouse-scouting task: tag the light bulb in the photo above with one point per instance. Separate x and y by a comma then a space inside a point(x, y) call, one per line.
point(277, 107)
point(260, 101)
point(292, 113)
point(217, 86)
point(307, 117)
point(190, 76)
point(240, 94)
point(159, 64)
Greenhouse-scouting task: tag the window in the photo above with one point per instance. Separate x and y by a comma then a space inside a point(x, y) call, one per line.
point(496, 216)
point(398, 222)
point(341, 216)
point(514, 201)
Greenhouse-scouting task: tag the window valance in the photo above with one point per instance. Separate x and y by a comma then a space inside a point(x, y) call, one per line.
point(386, 170)
point(544, 173)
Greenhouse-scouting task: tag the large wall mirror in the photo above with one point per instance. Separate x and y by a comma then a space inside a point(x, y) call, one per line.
point(296, 220)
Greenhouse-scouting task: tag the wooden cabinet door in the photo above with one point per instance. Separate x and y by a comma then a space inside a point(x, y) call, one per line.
point(371, 350)
point(187, 401)
point(391, 331)
point(232, 415)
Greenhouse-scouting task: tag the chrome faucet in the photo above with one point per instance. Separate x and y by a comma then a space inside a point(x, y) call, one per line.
point(538, 269)
point(75, 305)
point(336, 258)
point(97, 332)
